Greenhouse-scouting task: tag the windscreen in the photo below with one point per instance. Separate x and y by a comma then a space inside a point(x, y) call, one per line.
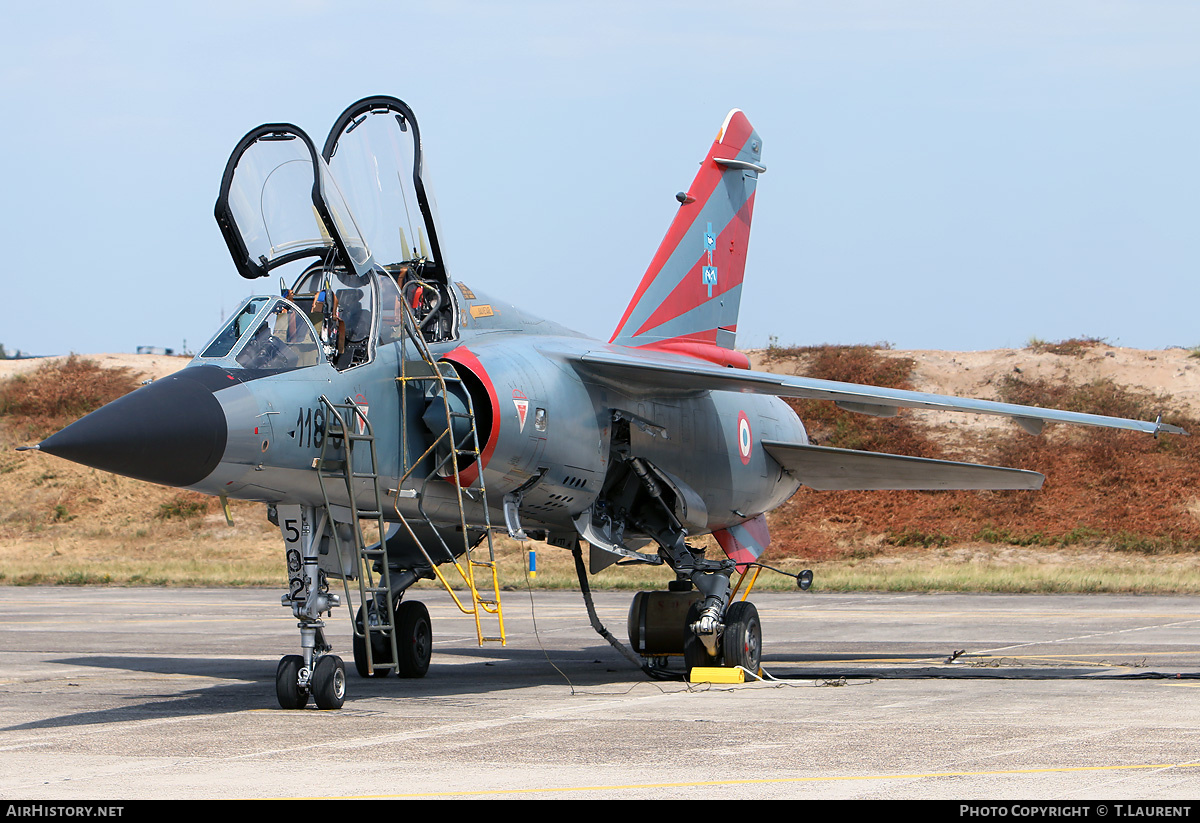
point(283, 340)
point(280, 337)
point(225, 340)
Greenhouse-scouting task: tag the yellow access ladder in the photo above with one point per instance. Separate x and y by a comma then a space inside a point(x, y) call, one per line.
point(448, 456)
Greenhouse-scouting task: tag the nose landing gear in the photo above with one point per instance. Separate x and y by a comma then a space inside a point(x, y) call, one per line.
point(325, 682)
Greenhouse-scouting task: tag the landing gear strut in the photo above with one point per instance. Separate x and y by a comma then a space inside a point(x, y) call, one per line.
point(315, 672)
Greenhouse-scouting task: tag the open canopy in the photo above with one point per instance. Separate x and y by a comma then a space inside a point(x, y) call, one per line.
point(280, 203)
point(374, 150)
point(283, 203)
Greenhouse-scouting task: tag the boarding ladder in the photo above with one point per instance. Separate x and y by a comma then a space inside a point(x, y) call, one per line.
point(423, 374)
point(347, 430)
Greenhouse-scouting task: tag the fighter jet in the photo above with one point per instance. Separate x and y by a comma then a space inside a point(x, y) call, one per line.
point(392, 416)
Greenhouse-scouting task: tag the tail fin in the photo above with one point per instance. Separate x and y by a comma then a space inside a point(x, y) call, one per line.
point(688, 299)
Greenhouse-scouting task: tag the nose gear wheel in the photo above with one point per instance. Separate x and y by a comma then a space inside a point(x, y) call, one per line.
point(329, 682)
point(287, 683)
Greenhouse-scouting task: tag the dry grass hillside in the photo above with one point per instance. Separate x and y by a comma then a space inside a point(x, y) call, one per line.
point(65, 523)
point(1118, 511)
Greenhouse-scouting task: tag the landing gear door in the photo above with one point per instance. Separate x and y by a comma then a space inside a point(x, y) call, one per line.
point(279, 203)
point(374, 151)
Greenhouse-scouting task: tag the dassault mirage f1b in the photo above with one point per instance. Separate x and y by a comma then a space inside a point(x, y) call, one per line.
point(377, 390)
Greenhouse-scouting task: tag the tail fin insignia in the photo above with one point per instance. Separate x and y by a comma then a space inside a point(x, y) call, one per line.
point(692, 290)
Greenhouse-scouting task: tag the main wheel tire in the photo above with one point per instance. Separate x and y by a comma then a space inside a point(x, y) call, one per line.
point(328, 682)
point(694, 652)
point(379, 651)
point(414, 638)
point(741, 645)
point(287, 683)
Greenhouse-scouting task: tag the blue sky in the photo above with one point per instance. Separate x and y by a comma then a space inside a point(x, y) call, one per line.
point(953, 175)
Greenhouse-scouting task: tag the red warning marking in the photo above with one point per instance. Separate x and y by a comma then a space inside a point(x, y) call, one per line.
point(360, 420)
point(522, 403)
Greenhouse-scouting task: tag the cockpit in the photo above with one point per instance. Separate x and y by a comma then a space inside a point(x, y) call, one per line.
point(330, 316)
point(354, 315)
point(284, 208)
point(266, 333)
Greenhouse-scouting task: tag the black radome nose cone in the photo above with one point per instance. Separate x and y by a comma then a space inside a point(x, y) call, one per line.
point(172, 432)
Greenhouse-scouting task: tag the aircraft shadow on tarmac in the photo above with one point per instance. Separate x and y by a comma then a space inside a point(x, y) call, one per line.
point(934, 665)
point(251, 680)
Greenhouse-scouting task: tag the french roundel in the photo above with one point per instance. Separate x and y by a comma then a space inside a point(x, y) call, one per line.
point(745, 438)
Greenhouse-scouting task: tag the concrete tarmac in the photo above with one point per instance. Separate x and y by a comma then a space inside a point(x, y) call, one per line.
point(128, 693)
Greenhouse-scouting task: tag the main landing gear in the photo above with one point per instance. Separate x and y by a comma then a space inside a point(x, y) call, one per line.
point(414, 641)
point(664, 624)
point(671, 623)
point(716, 632)
point(695, 618)
point(740, 640)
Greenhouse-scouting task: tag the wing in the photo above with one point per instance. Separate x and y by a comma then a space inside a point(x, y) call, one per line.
point(825, 468)
point(658, 374)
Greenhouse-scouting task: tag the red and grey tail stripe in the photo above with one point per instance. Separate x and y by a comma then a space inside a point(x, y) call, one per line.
point(692, 289)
